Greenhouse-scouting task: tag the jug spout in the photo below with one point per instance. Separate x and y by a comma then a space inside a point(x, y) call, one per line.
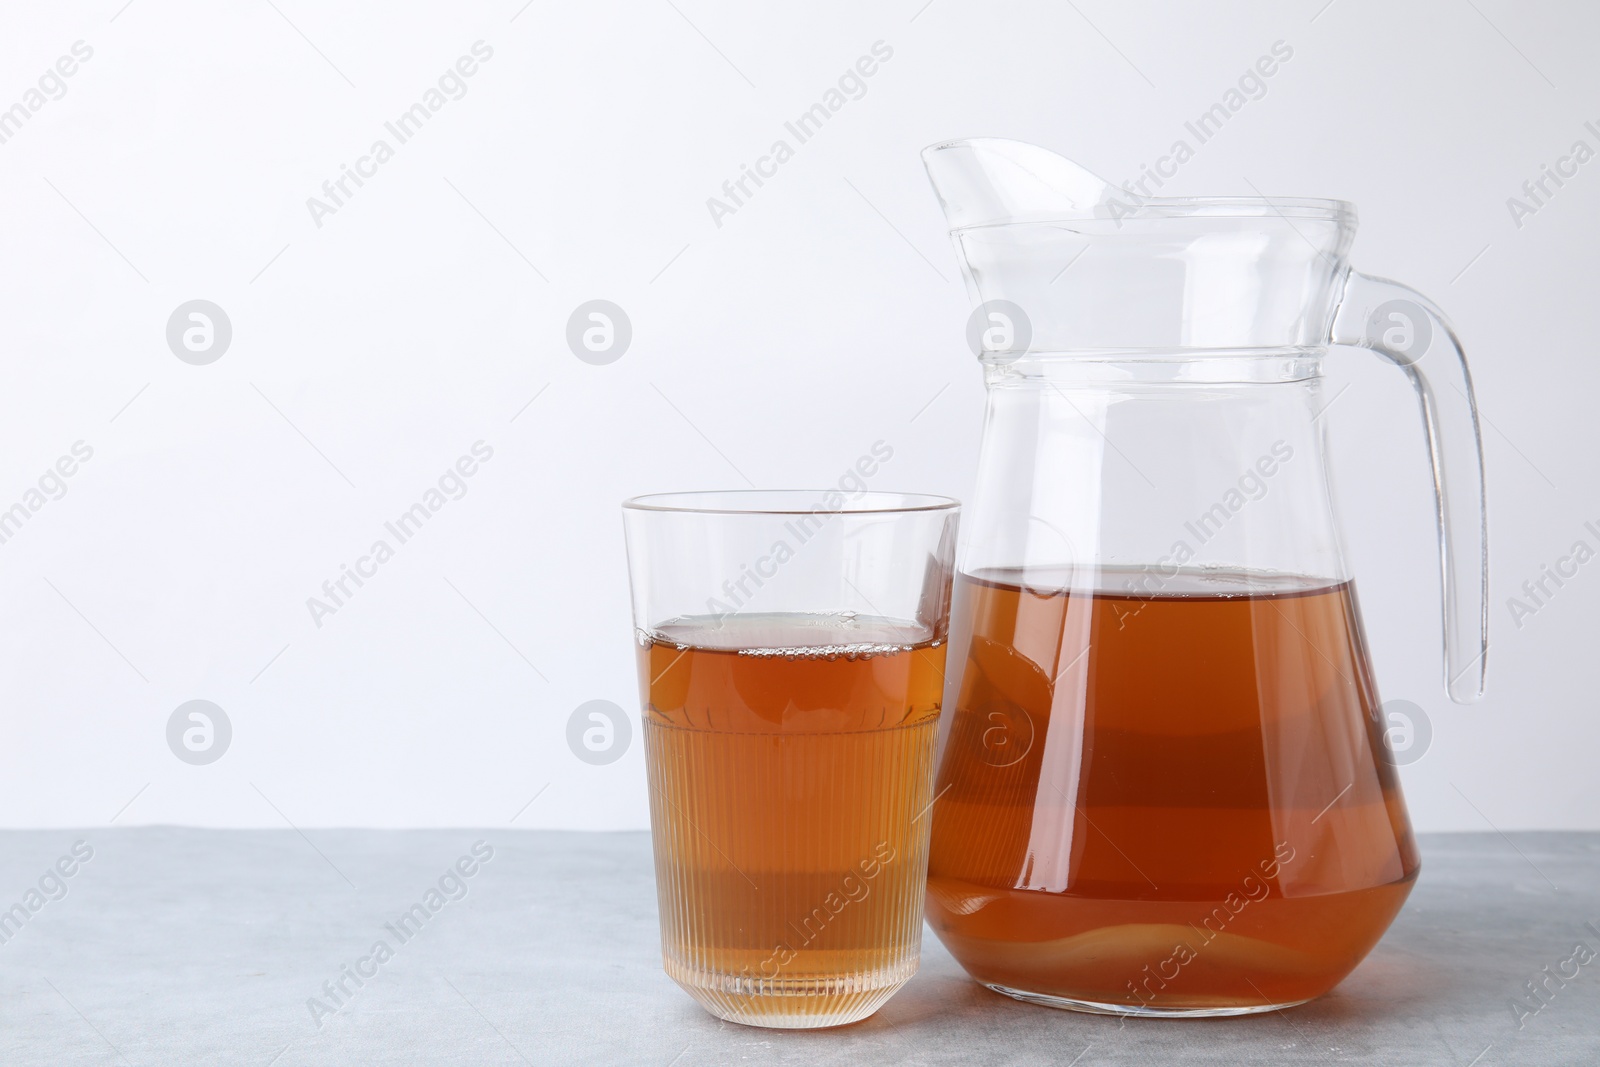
point(982, 181)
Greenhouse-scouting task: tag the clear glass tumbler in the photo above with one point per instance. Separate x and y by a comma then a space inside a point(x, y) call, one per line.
point(791, 666)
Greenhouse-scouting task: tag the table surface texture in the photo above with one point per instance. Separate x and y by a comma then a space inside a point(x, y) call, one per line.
point(183, 946)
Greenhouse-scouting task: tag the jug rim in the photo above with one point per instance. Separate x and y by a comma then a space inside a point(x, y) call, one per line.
point(1153, 209)
point(1090, 198)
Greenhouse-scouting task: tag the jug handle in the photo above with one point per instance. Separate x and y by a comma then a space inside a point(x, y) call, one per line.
point(1406, 328)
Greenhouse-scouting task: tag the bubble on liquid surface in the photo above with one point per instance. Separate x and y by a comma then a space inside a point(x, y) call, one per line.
point(802, 652)
point(812, 635)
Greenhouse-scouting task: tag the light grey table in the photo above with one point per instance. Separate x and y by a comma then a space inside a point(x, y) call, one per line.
point(177, 946)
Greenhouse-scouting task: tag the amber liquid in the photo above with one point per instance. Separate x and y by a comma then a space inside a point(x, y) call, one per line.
point(791, 764)
point(1166, 797)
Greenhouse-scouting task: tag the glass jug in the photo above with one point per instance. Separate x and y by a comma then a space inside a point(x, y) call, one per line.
point(1164, 787)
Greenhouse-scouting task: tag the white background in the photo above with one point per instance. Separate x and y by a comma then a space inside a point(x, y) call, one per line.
point(825, 314)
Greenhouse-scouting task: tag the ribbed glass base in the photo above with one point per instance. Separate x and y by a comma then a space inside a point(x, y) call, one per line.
point(796, 1003)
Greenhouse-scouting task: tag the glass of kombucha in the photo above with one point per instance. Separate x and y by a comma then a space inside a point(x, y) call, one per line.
point(791, 651)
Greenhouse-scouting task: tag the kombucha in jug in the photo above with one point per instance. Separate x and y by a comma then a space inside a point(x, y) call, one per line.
point(1180, 798)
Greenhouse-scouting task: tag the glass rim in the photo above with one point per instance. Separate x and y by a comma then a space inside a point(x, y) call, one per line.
point(789, 502)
